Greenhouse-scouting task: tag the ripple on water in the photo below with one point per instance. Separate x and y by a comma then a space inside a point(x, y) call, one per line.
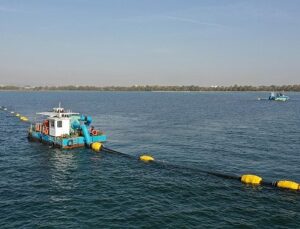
point(225, 132)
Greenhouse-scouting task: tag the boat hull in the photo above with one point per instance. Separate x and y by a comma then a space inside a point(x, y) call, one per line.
point(63, 143)
point(282, 99)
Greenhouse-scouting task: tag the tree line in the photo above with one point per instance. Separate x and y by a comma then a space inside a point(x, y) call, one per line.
point(295, 88)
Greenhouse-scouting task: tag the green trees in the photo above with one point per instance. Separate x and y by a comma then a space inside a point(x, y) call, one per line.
point(295, 87)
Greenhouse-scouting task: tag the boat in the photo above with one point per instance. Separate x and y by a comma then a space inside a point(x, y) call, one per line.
point(65, 130)
point(278, 97)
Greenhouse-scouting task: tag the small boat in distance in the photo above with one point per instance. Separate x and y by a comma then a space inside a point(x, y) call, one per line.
point(65, 129)
point(278, 96)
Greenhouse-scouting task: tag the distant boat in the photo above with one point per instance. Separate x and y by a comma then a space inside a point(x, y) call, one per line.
point(278, 96)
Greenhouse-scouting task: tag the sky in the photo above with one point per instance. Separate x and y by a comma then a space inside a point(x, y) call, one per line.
point(149, 42)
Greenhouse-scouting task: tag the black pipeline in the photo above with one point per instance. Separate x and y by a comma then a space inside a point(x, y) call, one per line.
point(246, 178)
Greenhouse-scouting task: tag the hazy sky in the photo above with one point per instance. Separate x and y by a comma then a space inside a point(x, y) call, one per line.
point(167, 42)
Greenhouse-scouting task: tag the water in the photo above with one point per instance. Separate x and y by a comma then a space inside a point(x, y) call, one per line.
point(223, 132)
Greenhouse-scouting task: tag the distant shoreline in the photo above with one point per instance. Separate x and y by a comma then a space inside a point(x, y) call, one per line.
point(157, 88)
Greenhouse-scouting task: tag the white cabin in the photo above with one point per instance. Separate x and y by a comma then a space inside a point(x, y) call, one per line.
point(59, 121)
point(59, 126)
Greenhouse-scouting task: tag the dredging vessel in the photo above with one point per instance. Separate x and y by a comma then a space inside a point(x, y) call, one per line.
point(65, 129)
point(278, 97)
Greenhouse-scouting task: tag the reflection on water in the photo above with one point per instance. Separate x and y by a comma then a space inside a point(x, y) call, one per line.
point(62, 166)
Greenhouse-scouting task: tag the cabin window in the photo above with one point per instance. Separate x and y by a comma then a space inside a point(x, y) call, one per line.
point(52, 123)
point(59, 124)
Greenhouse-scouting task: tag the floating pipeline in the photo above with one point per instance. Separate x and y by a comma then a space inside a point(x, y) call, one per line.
point(24, 119)
point(96, 146)
point(146, 158)
point(287, 185)
point(107, 150)
point(21, 117)
point(249, 179)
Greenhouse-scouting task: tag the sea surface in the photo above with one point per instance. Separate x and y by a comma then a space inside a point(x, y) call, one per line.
point(231, 133)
